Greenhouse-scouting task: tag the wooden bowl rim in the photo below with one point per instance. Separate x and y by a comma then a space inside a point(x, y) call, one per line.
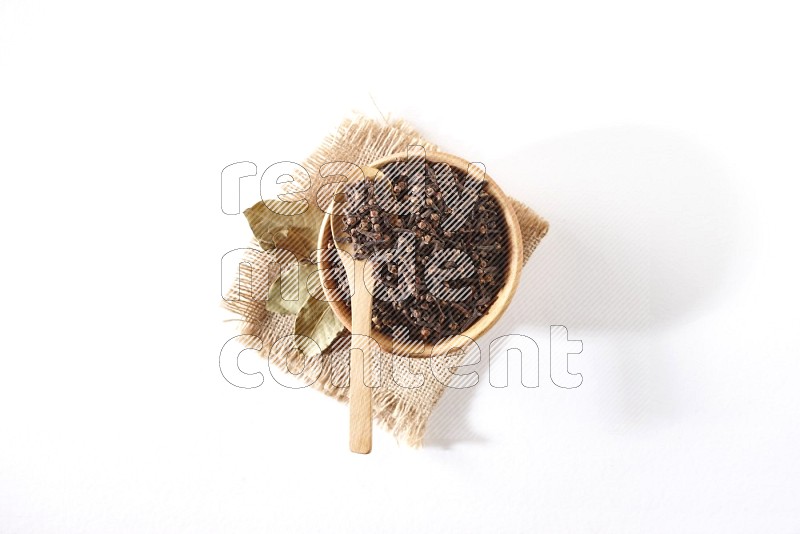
point(504, 296)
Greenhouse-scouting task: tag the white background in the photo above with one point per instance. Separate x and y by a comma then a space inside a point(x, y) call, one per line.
point(659, 139)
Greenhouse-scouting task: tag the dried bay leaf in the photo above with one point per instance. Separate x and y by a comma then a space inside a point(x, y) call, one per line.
point(283, 298)
point(292, 226)
point(316, 321)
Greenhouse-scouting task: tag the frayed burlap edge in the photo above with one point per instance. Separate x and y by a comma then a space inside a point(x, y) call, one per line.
point(402, 410)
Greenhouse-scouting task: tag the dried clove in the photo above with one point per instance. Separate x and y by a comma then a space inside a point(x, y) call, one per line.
point(458, 230)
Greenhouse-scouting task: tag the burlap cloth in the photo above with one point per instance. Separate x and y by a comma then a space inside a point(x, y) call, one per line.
point(409, 387)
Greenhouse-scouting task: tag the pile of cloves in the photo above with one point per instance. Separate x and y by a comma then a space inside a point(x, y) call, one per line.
point(438, 241)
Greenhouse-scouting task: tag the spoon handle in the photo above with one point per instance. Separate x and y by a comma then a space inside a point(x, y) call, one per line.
point(360, 359)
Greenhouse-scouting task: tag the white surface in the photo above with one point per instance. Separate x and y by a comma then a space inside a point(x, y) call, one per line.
point(660, 141)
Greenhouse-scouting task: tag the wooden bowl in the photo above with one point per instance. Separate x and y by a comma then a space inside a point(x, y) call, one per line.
point(485, 322)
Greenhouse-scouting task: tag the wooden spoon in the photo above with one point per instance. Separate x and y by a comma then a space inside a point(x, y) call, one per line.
point(359, 278)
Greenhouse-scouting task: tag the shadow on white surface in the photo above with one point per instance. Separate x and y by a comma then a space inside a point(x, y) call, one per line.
point(643, 228)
